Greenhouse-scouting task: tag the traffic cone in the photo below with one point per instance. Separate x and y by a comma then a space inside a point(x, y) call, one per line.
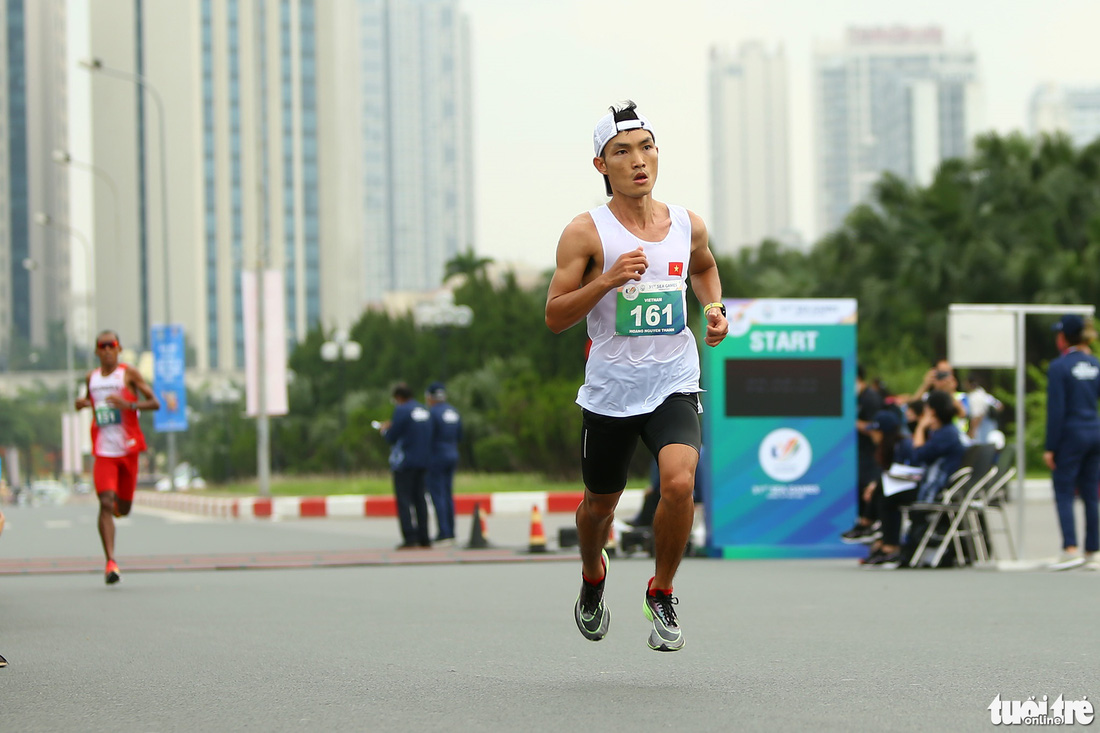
point(538, 536)
point(478, 540)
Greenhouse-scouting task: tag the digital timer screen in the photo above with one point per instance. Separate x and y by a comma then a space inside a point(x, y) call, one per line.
point(784, 388)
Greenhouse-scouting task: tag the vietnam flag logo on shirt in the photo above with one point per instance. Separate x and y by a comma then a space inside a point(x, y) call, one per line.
point(675, 268)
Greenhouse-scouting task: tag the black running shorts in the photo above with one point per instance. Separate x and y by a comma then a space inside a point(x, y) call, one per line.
point(608, 443)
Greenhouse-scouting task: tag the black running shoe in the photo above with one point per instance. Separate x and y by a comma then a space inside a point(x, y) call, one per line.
point(861, 534)
point(591, 614)
point(666, 635)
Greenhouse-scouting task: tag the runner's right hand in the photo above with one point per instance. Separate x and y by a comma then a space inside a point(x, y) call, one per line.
point(629, 266)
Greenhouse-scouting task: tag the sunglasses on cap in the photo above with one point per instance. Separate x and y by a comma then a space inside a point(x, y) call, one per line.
point(107, 344)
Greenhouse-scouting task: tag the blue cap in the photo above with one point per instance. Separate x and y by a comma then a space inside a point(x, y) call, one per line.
point(436, 389)
point(1070, 324)
point(888, 421)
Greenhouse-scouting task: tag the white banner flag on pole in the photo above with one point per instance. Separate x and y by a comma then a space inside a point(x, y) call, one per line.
point(274, 342)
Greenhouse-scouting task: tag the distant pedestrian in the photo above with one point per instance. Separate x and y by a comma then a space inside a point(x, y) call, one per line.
point(116, 394)
point(446, 432)
point(1073, 440)
point(409, 431)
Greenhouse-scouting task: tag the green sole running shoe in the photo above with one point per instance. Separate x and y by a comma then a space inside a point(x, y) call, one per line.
point(591, 614)
point(666, 635)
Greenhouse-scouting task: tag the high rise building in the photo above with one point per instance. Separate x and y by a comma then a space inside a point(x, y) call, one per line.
point(333, 138)
point(894, 99)
point(412, 170)
point(1073, 110)
point(750, 158)
point(36, 290)
point(232, 84)
point(15, 215)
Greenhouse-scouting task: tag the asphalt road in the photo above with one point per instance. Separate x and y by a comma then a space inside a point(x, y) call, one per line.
point(458, 645)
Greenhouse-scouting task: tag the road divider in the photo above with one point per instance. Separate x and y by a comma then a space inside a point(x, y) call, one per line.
point(314, 507)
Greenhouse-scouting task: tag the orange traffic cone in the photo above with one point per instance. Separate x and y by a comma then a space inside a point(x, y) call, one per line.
point(538, 536)
point(609, 546)
point(478, 540)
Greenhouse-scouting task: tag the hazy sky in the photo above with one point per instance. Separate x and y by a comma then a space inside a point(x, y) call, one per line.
point(544, 72)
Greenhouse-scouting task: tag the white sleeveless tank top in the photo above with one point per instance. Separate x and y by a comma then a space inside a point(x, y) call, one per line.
point(642, 350)
point(112, 439)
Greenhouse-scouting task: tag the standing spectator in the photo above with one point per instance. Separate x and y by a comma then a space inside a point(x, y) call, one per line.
point(409, 431)
point(984, 409)
point(868, 404)
point(446, 432)
point(942, 377)
point(1073, 440)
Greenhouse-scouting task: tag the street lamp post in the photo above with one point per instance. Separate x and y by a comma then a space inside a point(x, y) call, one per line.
point(46, 221)
point(442, 313)
point(96, 65)
point(62, 157)
point(342, 350)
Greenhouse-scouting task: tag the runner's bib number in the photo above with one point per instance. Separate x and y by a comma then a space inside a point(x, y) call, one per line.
point(107, 415)
point(650, 309)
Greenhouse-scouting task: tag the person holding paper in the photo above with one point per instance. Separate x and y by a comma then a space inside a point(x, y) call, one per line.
point(938, 446)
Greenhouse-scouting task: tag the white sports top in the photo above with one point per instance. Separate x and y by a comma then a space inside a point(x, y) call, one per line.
point(111, 438)
point(642, 350)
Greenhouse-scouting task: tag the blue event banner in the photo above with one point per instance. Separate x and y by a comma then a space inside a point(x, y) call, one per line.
point(168, 383)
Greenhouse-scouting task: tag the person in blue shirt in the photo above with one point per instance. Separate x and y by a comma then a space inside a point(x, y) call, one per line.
point(1073, 440)
point(409, 431)
point(938, 446)
point(446, 432)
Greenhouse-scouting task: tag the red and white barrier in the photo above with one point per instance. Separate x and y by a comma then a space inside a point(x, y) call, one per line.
point(303, 507)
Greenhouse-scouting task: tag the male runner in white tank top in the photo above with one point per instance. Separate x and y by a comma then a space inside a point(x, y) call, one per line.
point(624, 267)
point(116, 392)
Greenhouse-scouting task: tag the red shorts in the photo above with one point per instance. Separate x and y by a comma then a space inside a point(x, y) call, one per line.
point(117, 474)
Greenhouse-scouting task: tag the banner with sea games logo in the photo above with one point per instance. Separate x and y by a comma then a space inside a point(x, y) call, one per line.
point(779, 426)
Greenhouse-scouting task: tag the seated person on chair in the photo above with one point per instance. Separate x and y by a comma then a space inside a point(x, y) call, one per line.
point(938, 446)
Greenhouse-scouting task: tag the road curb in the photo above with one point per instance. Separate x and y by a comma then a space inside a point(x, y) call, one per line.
point(320, 507)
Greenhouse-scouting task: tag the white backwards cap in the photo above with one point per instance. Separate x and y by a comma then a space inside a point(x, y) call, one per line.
point(608, 128)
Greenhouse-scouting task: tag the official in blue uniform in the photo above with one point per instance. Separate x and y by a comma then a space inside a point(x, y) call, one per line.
point(446, 432)
point(409, 431)
point(1073, 439)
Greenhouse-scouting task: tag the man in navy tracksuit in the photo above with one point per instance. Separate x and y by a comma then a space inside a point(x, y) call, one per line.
point(446, 432)
point(1073, 440)
point(409, 431)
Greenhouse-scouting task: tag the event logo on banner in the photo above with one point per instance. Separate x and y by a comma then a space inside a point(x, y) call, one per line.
point(168, 383)
point(779, 429)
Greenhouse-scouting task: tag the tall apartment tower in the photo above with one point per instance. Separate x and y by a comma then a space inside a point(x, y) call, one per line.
point(232, 84)
point(750, 158)
point(414, 157)
point(895, 99)
point(1073, 110)
point(36, 287)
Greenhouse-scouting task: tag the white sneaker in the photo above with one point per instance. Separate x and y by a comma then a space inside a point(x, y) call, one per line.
point(1092, 561)
point(1067, 561)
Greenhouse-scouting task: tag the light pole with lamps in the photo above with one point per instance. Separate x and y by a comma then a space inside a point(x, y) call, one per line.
point(96, 66)
point(46, 221)
point(342, 350)
point(442, 313)
point(62, 157)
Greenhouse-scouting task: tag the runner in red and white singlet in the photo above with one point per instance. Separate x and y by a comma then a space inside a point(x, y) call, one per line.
point(116, 393)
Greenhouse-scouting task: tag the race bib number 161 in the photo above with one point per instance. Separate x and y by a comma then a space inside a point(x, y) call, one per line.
point(650, 309)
